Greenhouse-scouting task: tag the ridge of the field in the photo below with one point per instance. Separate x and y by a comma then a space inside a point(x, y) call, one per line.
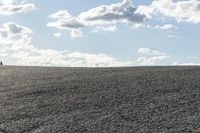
point(129, 99)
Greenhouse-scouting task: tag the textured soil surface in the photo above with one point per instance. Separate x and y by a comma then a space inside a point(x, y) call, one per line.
point(124, 100)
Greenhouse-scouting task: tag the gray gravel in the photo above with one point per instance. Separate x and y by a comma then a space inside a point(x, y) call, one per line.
point(124, 100)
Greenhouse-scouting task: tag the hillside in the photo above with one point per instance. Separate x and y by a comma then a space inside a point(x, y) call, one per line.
point(138, 99)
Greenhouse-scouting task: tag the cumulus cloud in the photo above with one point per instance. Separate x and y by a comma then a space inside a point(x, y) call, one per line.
point(14, 28)
point(182, 11)
point(150, 57)
point(112, 14)
point(17, 42)
point(71, 23)
point(103, 17)
point(67, 22)
point(10, 7)
point(12, 32)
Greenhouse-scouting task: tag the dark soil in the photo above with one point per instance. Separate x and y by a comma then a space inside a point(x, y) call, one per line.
point(124, 100)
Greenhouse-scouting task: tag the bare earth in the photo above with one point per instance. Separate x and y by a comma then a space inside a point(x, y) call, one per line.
point(138, 99)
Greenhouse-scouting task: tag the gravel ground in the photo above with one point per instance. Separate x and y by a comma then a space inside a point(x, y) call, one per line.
point(124, 100)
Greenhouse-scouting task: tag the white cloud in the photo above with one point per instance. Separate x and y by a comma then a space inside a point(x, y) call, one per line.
point(140, 25)
point(17, 45)
point(57, 34)
point(49, 57)
point(150, 57)
point(182, 11)
point(17, 42)
point(12, 32)
point(14, 28)
point(10, 7)
point(112, 14)
point(150, 60)
point(76, 33)
point(159, 27)
point(71, 23)
point(186, 64)
point(165, 27)
point(6, 2)
point(67, 22)
point(103, 17)
point(61, 14)
point(143, 50)
point(107, 28)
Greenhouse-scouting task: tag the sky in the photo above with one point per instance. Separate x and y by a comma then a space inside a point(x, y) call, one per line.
point(102, 33)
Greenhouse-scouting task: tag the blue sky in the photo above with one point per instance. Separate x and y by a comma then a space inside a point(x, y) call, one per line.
point(108, 33)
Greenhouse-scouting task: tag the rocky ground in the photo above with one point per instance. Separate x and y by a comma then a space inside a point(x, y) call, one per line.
point(138, 99)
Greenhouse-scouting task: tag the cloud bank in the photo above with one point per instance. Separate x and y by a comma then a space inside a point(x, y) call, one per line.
point(150, 57)
point(16, 44)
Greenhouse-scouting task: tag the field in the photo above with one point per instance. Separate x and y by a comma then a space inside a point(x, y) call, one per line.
point(137, 99)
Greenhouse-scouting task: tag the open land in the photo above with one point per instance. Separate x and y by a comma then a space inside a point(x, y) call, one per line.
point(132, 99)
